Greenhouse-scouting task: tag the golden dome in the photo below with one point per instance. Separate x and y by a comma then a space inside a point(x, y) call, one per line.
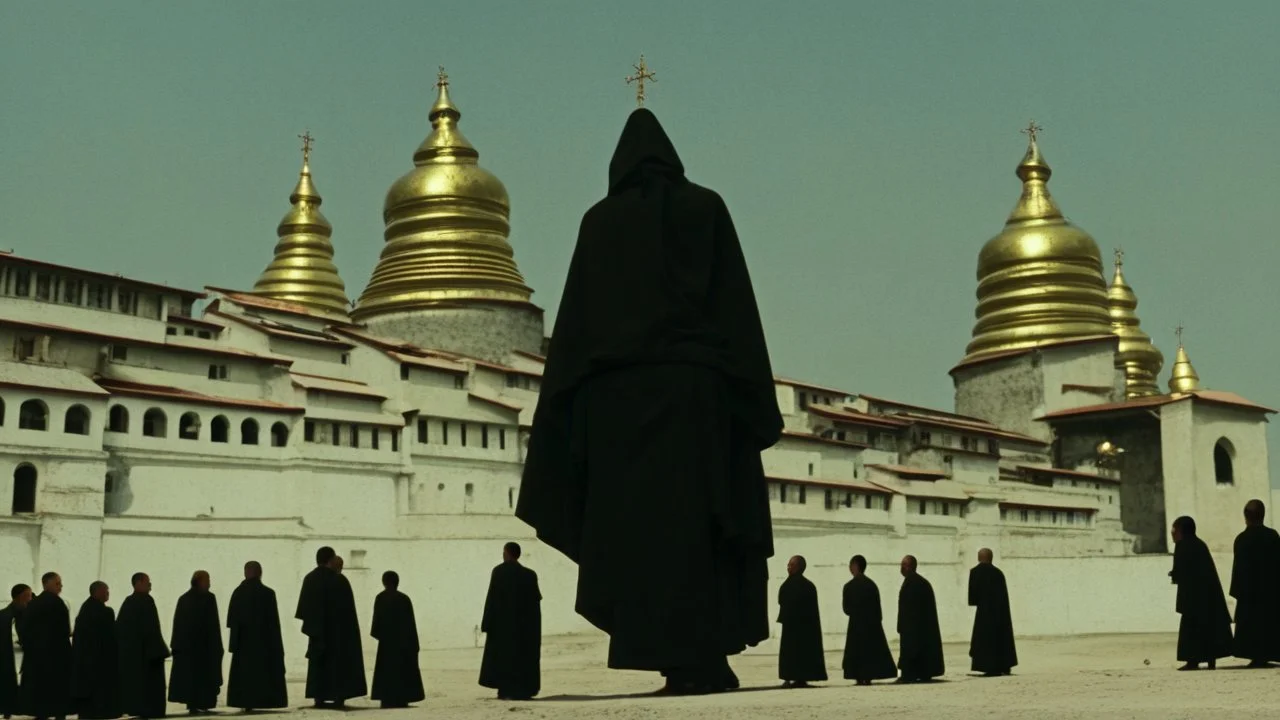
point(1184, 378)
point(303, 271)
point(1040, 280)
point(1137, 356)
point(446, 228)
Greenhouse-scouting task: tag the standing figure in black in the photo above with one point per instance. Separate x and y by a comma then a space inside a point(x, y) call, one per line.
point(866, 649)
point(95, 676)
point(991, 646)
point(397, 680)
point(196, 677)
point(920, 655)
point(657, 399)
point(335, 660)
point(513, 623)
point(11, 616)
point(800, 657)
point(46, 653)
point(142, 652)
point(1204, 633)
point(257, 648)
point(1255, 584)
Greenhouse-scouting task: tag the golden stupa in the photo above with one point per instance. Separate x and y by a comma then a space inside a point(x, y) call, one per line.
point(1138, 357)
point(446, 228)
point(1040, 280)
point(302, 271)
point(1184, 378)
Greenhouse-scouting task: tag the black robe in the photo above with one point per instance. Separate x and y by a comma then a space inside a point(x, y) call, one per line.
point(9, 617)
point(920, 637)
point(195, 678)
point(991, 646)
point(1255, 584)
point(512, 621)
point(1204, 632)
point(656, 401)
point(397, 680)
point(866, 649)
point(142, 655)
point(335, 659)
point(257, 680)
point(95, 675)
point(46, 658)
point(800, 657)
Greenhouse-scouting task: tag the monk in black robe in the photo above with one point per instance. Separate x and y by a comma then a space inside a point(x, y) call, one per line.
point(327, 609)
point(656, 401)
point(1255, 584)
point(46, 653)
point(991, 646)
point(196, 676)
point(10, 617)
point(397, 680)
point(142, 652)
point(513, 623)
point(800, 657)
point(866, 649)
point(257, 679)
point(95, 676)
point(1204, 633)
point(919, 636)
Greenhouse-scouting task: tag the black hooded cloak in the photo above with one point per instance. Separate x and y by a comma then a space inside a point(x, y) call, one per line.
point(1204, 633)
point(335, 657)
point(919, 636)
point(9, 617)
point(800, 656)
point(512, 624)
point(195, 680)
point(257, 680)
point(1255, 584)
point(397, 679)
point(866, 649)
point(95, 677)
point(656, 401)
point(991, 646)
point(46, 658)
point(142, 655)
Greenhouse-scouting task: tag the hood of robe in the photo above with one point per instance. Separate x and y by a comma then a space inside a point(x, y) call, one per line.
point(643, 148)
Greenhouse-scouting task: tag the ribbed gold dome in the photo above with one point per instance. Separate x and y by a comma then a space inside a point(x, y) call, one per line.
point(1137, 356)
point(303, 271)
point(1040, 280)
point(446, 228)
point(1184, 378)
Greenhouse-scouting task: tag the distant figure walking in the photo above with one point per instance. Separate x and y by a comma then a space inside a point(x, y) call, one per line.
point(992, 646)
point(1204, 634)
point(866, 649)
point(800, 657)
point(1255, 584)
point(142, 652)
point(46, 653)
point(397, 680)
point(195, 680)
point(257, 649)
point(95, 674)
point(327, 609)
point(920, 655)
point(513, 622)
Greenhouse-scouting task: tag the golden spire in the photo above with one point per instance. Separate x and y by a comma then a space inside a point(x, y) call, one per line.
point(303, 271)
point(1184, 378)
point(642, 74)
point(1137, 356)
point(1040, 280)
point(446, 228)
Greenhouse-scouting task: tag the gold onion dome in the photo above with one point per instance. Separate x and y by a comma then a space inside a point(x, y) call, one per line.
point(1040, 280)
point(303, 271)
point(1184, 378)
point(1137, 356)
point(446, 228)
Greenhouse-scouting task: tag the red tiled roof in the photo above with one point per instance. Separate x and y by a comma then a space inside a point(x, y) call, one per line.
point(854, 416)
point(903, 471)
point(844, 484)
point(124, 387)
point(1020, 505)
point(240, 297)
point(1086, 388)
point(493, 401)
point(531, 356)
point(340, 386)
point(197, 322)
point(1216, 397)
point(894, 403)
point(1005, 354)
point(1068, 473)
point(137, 342)
point(810, 386)
point(810, 437)
point(923, 492)
point(983, 429)
point(191, 294)
point(282, 332)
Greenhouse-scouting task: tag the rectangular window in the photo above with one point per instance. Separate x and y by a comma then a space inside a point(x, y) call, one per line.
point(484, 436)
point(98, 297)
point(355, 436)
point(924, 507)
point(1022, 515)
point(24, 348)
point(810, 469)
point(335, 431)
point(422, 430)
point(128, 302)
point(374, 432)
point(404, 371)
point(946, 508)
point(459, 382)
point(43, 283)
point(926, 438)
point(866, 501)
point(309, 431)
point(188, 332)
point(782, 492)
point(71, 291)
point(1003, 513)
point(828, 501)
point(171, 331)
point(802, 494)
point(346, 358)
point(204, 335)
point(848, 500)
point(395, 440)
point(463, 433)
point(444, 432)
point(22, 283)
point(502, 438)
point(119, 352)
point(217, 372)
point(1038, 517)
point(513, 380)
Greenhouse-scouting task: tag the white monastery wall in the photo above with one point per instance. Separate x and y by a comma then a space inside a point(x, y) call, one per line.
point(1068, 369)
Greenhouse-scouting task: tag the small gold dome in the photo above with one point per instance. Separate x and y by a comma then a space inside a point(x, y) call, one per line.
point(1184, 378)
point(1137, 356)
point(1040, 280)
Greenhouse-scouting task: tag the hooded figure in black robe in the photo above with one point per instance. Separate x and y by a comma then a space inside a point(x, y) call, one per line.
point(1255, 584)
point(11, 617)
point(195, 679)
point(327, 609)
point(46, 653)
point(95, 676)
point(397, 680)
point(142, 652)
point(919, 636)
point(800, 657)
point(991, 646)
point(866, 649)
point(257, 680)
point(656, 401)
point(1204, 633)
point(512, 622)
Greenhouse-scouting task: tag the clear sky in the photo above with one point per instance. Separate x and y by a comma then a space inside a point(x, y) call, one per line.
point(866, 149)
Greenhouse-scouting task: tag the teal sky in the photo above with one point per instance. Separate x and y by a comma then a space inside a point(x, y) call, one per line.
point(865, 149)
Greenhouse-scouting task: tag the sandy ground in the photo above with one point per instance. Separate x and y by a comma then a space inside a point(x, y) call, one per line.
point(1082, 677)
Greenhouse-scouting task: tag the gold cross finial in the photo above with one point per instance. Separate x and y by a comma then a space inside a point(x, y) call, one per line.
point(1119, 257)
point(1178, 331)
point(642, 74)
point(442, 78)
point(1031, 130)
point(307, 142)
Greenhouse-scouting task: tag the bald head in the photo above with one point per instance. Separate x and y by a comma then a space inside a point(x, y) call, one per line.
point(908, 565)
point(1254, 512)
point(200, 580)
point(985, 556)
point(796, 565)
point(253, 570)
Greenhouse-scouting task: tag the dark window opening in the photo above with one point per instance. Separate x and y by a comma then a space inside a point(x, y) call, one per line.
point(249, 432)
point(33, 415)
point(77, 420)
point(154, 423)
point(219, 429)
point(309, 431)
point(189, 426)
point(279, 435)
point(24, 489)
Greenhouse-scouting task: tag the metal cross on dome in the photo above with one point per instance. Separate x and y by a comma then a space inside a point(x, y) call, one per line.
point(307, 141)
point(1032, 130)
point(642, 73)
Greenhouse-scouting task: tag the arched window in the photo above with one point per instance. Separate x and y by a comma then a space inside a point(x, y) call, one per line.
point(219, 429)
point(189, 426)
point(249, 432)
point(76, 421)
point(24, 489)
point(155, 424)
point(279, 435)
point(118, 419)
point(1224, 462)
point(33, 415)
